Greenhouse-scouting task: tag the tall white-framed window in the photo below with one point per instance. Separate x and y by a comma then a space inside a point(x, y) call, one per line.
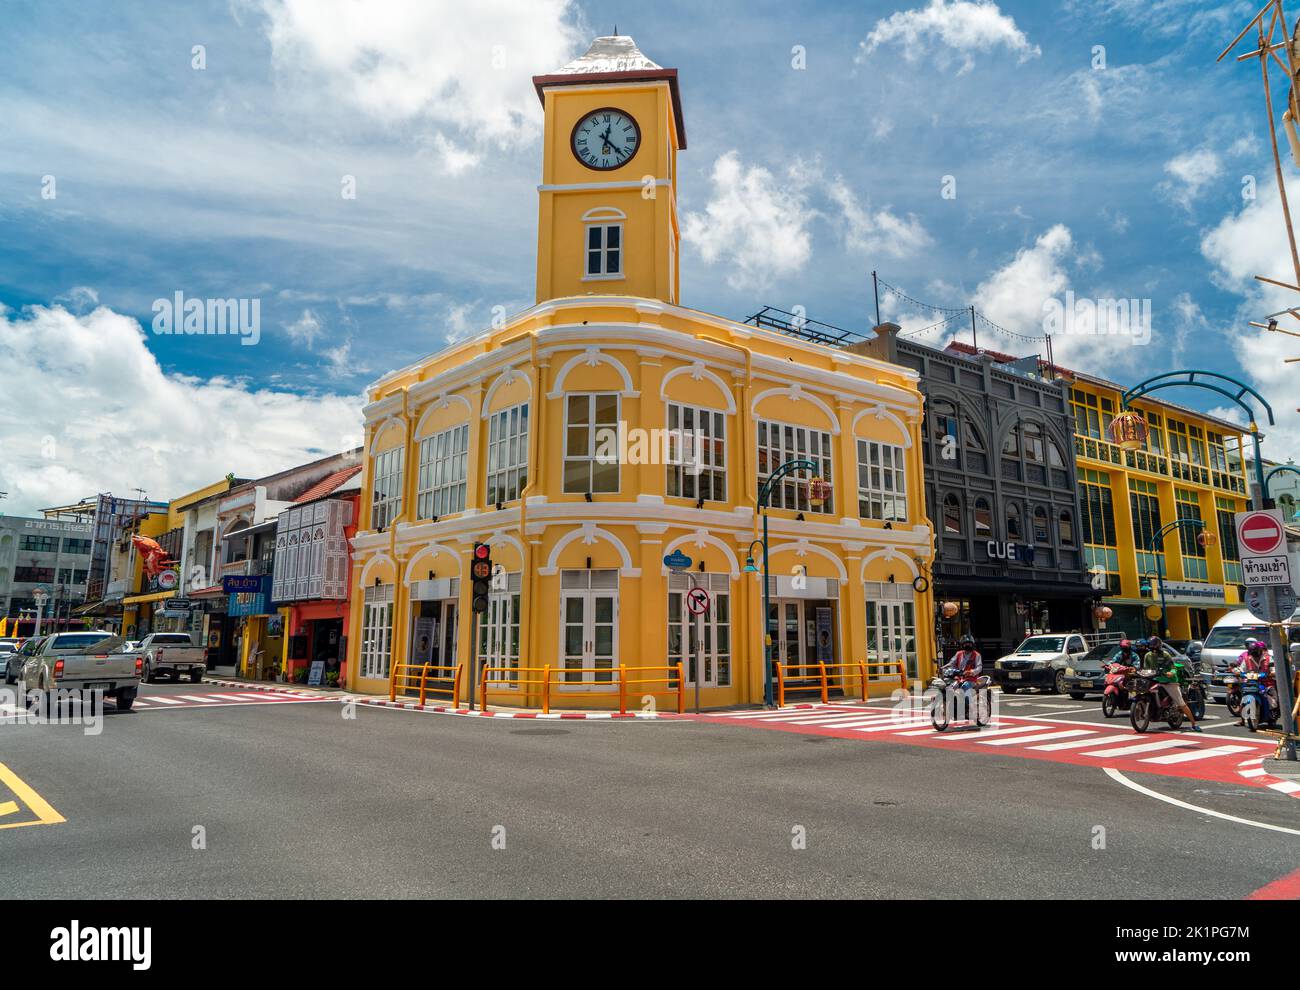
point(443, 460)
point(507, 462)
point(891, 627)
point(591, 443)
point(387, 503)
point(702, 641)
point(882, 482)
point(781, 442)
point(697, 453)
point(604, 251)
point(377, 631)
point(498, 630)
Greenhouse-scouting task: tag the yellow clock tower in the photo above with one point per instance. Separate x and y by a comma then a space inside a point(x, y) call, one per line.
point(607, 205)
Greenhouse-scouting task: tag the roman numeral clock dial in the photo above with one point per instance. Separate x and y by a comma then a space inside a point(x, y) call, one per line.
point(606, 139)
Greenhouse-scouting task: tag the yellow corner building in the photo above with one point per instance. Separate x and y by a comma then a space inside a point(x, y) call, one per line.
point(608, 426)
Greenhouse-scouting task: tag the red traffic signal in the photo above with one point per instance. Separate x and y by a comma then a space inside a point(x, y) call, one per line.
point(482, 551)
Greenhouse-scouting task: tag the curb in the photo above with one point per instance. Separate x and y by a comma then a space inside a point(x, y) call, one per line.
point(1256, 774)
point(366, 699)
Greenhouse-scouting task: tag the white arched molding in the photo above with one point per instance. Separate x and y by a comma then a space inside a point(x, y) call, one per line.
point(698, 371)
point(796, 393)
point(802, 548)
point(699, 539)
point(599, 213)
point(507, 377)
point(589, 533)
point(429, 552)
point(499, 538)
point(880, 412)
point(591, 357)
point(889, 554)
point(442, 402)
point(394, 422)
point(372, 564)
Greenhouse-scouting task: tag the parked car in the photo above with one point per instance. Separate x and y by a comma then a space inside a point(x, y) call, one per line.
point(1040, 662)
point(13, 662)
point(82, 661)
point(172, 653)
point(1224, 644)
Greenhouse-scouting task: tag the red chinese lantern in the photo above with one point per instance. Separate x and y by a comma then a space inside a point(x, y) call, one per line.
point(1103, 612)
point(1129, 430)
point(950, 609)
point(819, 490)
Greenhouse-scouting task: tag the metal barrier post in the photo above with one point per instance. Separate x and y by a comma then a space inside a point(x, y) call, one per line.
point(483, 687)
point(780, 686)
point(455, 687)
point(681, 690)
point(392, 682)
point(902, 675)
point(424, 682)
point(862, 667)
point(622, 689)
point(825, 697)
point(546, 689)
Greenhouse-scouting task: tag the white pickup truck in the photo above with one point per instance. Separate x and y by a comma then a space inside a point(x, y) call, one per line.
point(172, 653)
point(81, 661)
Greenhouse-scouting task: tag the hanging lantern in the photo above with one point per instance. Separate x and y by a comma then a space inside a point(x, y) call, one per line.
point(1129, 430)
point(819, 490)
point(950, 610)
point(1207, 539)
point(1103, 612)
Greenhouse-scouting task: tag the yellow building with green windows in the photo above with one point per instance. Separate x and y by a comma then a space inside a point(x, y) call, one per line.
point(1191, 468)
point(506, 438)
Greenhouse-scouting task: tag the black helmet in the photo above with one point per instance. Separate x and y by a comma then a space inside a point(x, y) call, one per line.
point(968, 640)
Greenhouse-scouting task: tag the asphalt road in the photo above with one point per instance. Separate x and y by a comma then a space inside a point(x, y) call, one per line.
point(295, 800)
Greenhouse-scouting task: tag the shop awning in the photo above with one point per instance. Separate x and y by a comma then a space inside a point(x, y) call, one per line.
point(90, 608)
point(156, 596)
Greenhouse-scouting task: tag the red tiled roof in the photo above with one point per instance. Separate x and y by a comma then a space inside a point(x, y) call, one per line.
point(328, 484)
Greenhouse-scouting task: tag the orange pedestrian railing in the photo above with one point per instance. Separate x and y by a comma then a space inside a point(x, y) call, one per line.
point(425, 679)
point(516, 680)
point(819, 677)
point(622, 681)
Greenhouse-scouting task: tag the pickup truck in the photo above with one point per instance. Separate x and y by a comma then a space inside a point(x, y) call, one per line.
point(172, 653)
point(81, 661)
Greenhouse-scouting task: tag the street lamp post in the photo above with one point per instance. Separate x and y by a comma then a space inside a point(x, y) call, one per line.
point(1156, 547)
point(1237, 391)
point(764, 493)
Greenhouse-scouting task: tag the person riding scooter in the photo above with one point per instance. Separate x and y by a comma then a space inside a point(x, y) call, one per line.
point(1169, 677)
point(1255, 659)
point(966, 664)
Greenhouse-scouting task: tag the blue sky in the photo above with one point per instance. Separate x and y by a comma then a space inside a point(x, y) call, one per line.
point(1115, 180)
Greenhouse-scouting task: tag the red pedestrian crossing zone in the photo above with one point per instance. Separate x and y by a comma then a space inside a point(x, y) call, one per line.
point(214, 699)
point(1178, 754)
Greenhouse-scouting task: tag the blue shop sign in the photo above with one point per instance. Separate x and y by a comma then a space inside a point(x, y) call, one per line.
point(249, 594)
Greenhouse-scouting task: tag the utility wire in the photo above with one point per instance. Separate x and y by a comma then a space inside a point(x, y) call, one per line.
point(957, 312)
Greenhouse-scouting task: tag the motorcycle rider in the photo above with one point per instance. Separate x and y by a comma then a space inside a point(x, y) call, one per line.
point(1169, 677)
point(966, 663)
point(1255, 658)
point(1127, 655)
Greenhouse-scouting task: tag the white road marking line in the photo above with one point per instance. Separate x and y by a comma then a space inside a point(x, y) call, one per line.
point(1200, 754)
point(985, 733)
point(837, 717)
point(1285, 786)
point(205, 699)
point(892, 726)
point(1020, 740)
point(236, 697)
point(162, 700)
point(1147, 747)
point(1116, 775)
point(1253, 773)
point(777, 715)
point(1072, 744)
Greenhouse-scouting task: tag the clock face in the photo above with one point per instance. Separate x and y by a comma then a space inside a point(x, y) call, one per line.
point(605, 139)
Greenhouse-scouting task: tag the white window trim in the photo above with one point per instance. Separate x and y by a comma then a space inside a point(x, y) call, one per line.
point(880, 496)
point(604, 275)
point(669, 467)
point(521, 465)
point(592, 443)
point(390, 508)
point(377, 632)
point(830, 457)
point(458, 464)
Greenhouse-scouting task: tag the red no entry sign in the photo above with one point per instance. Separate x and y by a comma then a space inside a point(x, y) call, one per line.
point(697, 601)
point(1260, 533)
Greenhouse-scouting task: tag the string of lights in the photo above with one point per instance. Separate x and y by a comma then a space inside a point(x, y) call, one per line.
point(957, 312)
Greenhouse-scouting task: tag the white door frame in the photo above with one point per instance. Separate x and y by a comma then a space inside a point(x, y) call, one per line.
point(588, 656)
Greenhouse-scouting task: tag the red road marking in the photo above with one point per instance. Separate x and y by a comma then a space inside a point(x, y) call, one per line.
point(1285, 888)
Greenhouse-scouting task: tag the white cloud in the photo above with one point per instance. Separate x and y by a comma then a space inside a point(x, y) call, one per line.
point(960, 25)
point(1189, 174)
point(1013, 296)
point(112, 420)
point(305, 329)
point(755, 222)
point(876, 232)
point(466, 66)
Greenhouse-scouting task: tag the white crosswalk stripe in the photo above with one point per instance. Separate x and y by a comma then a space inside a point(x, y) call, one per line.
point(1028, 740)
point(1072, 744)
point(237, 697)
point(986, 733)
point(201, 698)
point(1145, 747)
point(158, 699)
point(893, 726)
point(1200, 754)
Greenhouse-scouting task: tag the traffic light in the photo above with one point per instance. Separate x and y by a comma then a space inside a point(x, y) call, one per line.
point(480, 572)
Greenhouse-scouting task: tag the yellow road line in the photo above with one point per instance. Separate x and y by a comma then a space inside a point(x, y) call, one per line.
point(9, 807)
point(38, 805)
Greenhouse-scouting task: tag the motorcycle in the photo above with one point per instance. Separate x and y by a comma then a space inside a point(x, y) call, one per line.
point(1233, 698)
point(1116, 696)
point(1257, 705)
point(951, 700)
point(1147, 703)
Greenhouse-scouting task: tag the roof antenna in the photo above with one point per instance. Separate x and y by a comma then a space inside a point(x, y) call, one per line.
point(615, 30)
